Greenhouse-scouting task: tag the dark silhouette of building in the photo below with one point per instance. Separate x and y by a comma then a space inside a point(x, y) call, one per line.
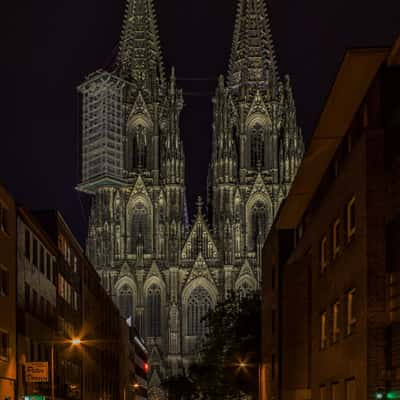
point(8, 295)
point(331, 263)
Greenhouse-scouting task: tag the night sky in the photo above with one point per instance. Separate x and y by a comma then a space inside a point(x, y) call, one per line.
point(49, 47)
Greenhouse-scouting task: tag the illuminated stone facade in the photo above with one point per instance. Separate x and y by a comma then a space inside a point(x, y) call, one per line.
point(161, 271)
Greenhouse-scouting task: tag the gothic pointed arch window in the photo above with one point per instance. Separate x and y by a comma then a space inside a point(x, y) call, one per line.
point(139, 144)
point(140, 227)
point(154, 310)
point(137, 147)
point(244, 289)
point(257, 143)
point(125, 301)
point(259, 221)
point(238, 245)
point(199, 304)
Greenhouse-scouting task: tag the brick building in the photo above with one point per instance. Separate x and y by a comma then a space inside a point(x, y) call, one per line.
point(8, 285)
point(331, 264)
point(94, 369)
point(36, 304)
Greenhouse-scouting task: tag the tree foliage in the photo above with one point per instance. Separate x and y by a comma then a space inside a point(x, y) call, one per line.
point(229, 354)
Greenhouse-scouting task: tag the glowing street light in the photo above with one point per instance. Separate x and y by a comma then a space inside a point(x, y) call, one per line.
point(76, 341)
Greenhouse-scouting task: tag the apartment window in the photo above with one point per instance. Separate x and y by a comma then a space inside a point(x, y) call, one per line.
point(75, 263)
point(3, 281)
point(3, 219)
point(322, 393)
point(335, 391)
point(27, 297)
point(34, 301)
point(41, 259)
point(324, 253)
point(27, 244)
point(75, 301)
point(48, 267)
point(336, 238)
point(68, 255)
point(53, 272)
point(350, 385)
point(351, 218)
point(35, 252)
point(349, 142)
point(324, 338)
point(4, 340)
point(351, 317)
point(336, 321)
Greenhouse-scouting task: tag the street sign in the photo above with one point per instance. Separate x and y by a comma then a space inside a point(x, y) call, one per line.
point(36, 372)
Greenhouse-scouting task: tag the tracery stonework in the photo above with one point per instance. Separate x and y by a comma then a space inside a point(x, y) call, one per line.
point(161, 271)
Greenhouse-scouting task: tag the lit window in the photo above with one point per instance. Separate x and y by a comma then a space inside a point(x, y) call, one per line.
point(75, 264)
point(3, 219)
point(3, 281)
point(336, 237)
point(351, 318)
point(4, 340)
point(350, 389)
point(324, 253)
point(351, 218)
point(68, 255)
point(324, 338)
point(336, 316)
point(322, 392)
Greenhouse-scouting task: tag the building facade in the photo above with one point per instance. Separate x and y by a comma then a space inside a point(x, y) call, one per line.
point(37, 298)
point(8, 296)
point(85, 311)
point(331, 260)
point(161, 271)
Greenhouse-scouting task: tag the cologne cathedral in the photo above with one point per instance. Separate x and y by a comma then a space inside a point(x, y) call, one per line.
point(164, 273)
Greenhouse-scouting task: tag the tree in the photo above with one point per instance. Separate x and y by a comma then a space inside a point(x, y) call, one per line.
point(229, 354)
point(179, 388)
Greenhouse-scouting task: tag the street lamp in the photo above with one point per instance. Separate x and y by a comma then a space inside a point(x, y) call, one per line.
point(74, 342)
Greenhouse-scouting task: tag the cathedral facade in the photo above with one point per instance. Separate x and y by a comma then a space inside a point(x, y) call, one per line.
point(163, 272)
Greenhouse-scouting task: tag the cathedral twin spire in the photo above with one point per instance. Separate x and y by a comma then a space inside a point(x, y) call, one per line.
point(252, 59)
point(159, 270)
point(140, 57)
